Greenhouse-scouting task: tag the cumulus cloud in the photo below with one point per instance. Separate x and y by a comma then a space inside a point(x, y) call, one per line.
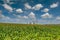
point(25, 17)
point(4, 17)
point(7, 18)
point(0, 12)
point(19, 16)
point(46, 15)
point(31, 15)
point(58, 18)
point(37, 6)
point(6, 1)
point(54, 5)
point(19, 10)
point(7, 7)
point(27, 6)
point(45, 10)
point(1, 16)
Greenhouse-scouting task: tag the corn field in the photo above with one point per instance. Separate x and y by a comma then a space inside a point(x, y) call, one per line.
point(29, 32)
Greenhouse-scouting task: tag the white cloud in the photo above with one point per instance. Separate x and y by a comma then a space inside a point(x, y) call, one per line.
point(18, 16)
point(25, 17)
point(54, 5)
point(6, 1)
point(37, 6)
point(0, 12)
point(46, 15)
point(31, 15)
point(27, 6)
point(7, 7)
point(19, 11)
point(7, 17)
point(22, 17)
point(45, 10)
point(58, 18)
point(4, 17)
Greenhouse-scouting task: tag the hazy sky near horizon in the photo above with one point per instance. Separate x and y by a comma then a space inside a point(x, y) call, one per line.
point(24, 11)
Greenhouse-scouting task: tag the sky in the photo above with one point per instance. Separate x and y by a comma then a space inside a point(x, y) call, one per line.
point(29, 11)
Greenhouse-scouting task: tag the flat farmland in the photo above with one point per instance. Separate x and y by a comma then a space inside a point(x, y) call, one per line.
point(29, 32)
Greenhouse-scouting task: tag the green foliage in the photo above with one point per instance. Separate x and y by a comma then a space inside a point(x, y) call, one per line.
point(29, 32)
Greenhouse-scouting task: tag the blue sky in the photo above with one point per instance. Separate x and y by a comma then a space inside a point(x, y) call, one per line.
point(26, 11)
